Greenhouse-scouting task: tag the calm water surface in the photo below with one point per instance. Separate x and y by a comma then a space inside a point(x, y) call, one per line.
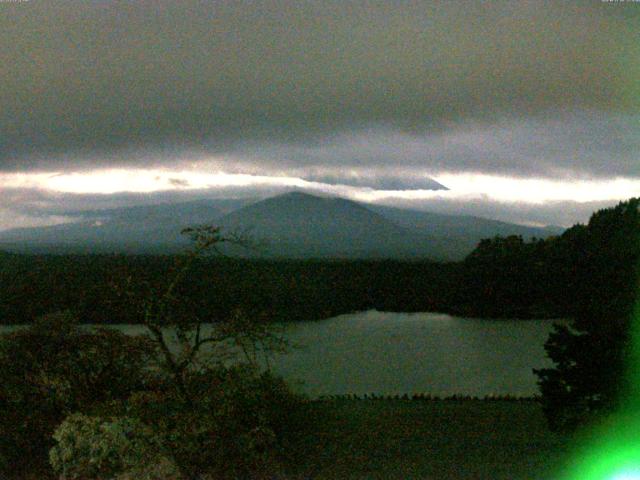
point(397, 353)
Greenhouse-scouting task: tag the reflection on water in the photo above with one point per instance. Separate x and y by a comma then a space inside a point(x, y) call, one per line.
point(396, 353)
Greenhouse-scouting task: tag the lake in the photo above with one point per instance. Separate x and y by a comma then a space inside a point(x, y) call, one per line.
point(397, 353)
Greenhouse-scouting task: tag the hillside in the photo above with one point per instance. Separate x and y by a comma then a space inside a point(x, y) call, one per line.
point(457, 235)
point(300, 225)
point(292, 225)
point(137, 229)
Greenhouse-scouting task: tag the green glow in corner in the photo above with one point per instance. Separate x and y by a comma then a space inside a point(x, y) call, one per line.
point(611, 450)
point(629, 475)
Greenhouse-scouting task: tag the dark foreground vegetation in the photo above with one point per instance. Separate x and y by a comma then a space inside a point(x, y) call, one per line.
point(438, 439)
point(95, 404)
point(99, 404)
point(503, 277)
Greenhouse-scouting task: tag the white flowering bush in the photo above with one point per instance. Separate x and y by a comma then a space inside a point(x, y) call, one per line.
point(55, 368)
point(90, 447)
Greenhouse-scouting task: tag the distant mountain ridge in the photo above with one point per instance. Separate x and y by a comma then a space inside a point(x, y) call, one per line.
point(137, 229)
point(461, 232)
point(291, 225)
point(301, 225)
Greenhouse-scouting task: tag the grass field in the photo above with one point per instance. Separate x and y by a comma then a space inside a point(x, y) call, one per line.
point(396, 439)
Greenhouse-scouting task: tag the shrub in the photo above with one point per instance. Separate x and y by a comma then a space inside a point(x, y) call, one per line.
point(235, 423)
point(54, 368)
point(90, 447)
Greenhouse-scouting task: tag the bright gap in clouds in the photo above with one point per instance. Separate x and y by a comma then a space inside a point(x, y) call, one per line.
point(464, 186)
point(540, 190)
point(148, 181)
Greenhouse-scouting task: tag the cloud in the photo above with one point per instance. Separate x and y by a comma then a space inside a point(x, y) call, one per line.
point(563, 213)
point(10, 218)
point(179, 182)
point(28, 207)
point(33, 207)
point(47, 199)
point(332, 96)
point(576, 144)
point(379, 181)
point(93, 84)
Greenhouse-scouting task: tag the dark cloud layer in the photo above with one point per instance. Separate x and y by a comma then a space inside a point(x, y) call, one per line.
point(577, 144)
point(105, 83)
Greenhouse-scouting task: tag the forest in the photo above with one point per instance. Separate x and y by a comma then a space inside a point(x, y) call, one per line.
point(97, 403)
point(504, 277)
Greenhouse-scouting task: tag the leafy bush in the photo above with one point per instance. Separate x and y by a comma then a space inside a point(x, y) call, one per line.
point(93, 447)
point(234, 424)
point(54, 368)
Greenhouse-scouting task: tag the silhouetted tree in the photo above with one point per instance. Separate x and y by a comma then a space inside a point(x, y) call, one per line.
point(53, 368)
point(180, 330)
point(207, 416)
point(506, 277)
point(591, 355)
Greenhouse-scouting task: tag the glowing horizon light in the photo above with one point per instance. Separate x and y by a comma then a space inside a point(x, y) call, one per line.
point(147, 181)
point(540, 190)
point(466, 186)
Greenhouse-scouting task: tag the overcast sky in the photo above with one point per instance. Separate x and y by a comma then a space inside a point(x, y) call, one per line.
point(526, 111)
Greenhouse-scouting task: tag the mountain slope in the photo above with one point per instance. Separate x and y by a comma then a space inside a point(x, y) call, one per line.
point(293, 225)
point(302, 225)
point(457, 235)
point(138, 229)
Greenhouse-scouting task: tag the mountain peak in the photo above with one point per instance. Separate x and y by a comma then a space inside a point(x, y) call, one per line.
point(296, 224)
point(296, 194)
point(384, 182)
point(302, 194)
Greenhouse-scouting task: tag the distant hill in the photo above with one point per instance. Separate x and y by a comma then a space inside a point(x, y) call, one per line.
point(292, 225)
point(302, 225)
point(459, 234)
point(138, 229)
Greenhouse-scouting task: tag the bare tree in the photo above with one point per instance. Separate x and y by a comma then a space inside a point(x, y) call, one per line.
point(164, 313)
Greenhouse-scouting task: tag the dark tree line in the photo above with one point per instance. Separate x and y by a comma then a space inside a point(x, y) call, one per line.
point(587, 275)
point(502, 278)
point(31, 286)
point(594, 356)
